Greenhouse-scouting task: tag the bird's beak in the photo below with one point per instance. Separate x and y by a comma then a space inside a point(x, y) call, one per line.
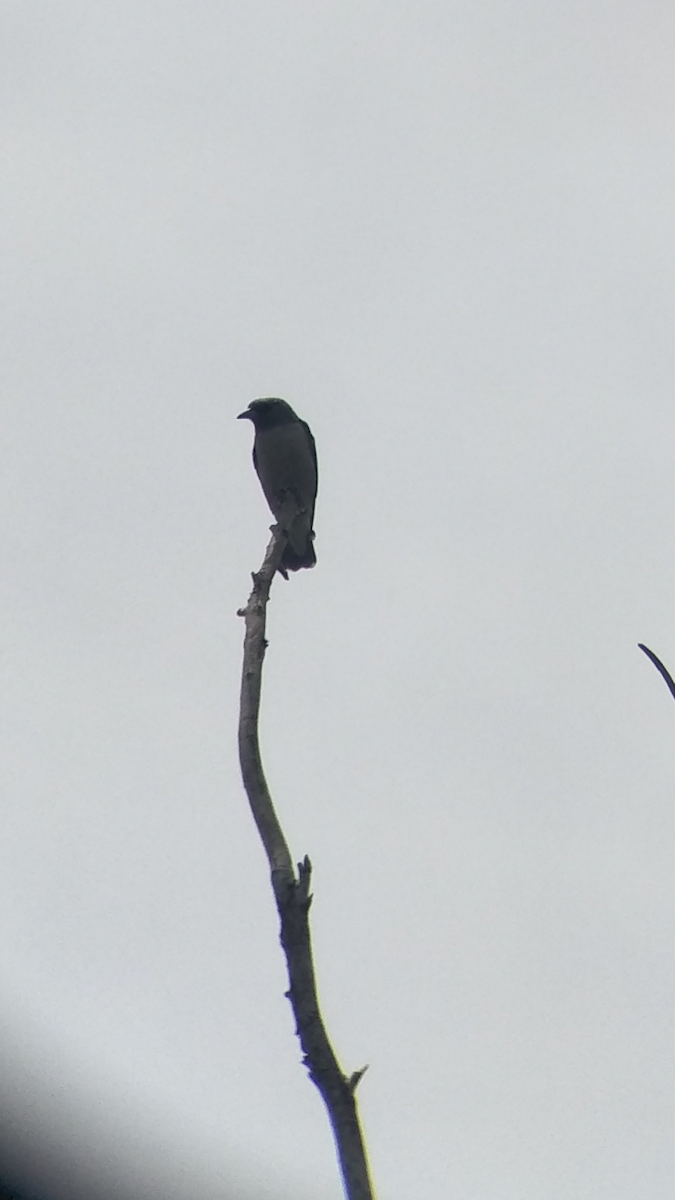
point(246, 415)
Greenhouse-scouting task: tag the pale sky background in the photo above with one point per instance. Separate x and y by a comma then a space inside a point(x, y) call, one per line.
point(445, 232)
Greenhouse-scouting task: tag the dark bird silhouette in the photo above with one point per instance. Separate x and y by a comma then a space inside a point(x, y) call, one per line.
point(284, 456)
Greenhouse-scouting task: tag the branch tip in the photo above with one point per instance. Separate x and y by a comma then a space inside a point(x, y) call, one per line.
point(356, 1077)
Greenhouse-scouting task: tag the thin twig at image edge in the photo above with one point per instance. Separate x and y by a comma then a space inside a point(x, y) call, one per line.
point(659, 666)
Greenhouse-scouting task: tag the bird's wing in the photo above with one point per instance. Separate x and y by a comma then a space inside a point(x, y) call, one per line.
point(312, 446)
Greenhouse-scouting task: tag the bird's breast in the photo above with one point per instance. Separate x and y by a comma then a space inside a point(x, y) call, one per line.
point(284, 460)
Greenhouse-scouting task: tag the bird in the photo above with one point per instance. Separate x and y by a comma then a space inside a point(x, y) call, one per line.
point(284, 456)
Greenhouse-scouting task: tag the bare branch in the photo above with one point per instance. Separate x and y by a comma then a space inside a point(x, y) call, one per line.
point(660, 667)
point(271, 833)
point(293, 897)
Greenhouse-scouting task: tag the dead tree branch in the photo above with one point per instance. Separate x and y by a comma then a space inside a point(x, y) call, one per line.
point(293, 898)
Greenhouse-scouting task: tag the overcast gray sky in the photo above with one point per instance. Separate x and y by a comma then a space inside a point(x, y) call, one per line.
point(444, 232)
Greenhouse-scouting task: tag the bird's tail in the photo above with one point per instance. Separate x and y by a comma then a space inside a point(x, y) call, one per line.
point(292, 561)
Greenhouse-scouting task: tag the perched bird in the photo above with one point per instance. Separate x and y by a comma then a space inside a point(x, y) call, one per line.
point(284, 456)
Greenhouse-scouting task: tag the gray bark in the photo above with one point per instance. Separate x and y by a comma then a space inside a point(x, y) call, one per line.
point(293, 899)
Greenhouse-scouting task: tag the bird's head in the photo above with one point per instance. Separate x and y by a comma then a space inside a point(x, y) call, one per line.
point(265, 414)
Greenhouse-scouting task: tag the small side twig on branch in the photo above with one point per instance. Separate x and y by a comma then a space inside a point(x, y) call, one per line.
point(660, 667)
point(293, 898)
